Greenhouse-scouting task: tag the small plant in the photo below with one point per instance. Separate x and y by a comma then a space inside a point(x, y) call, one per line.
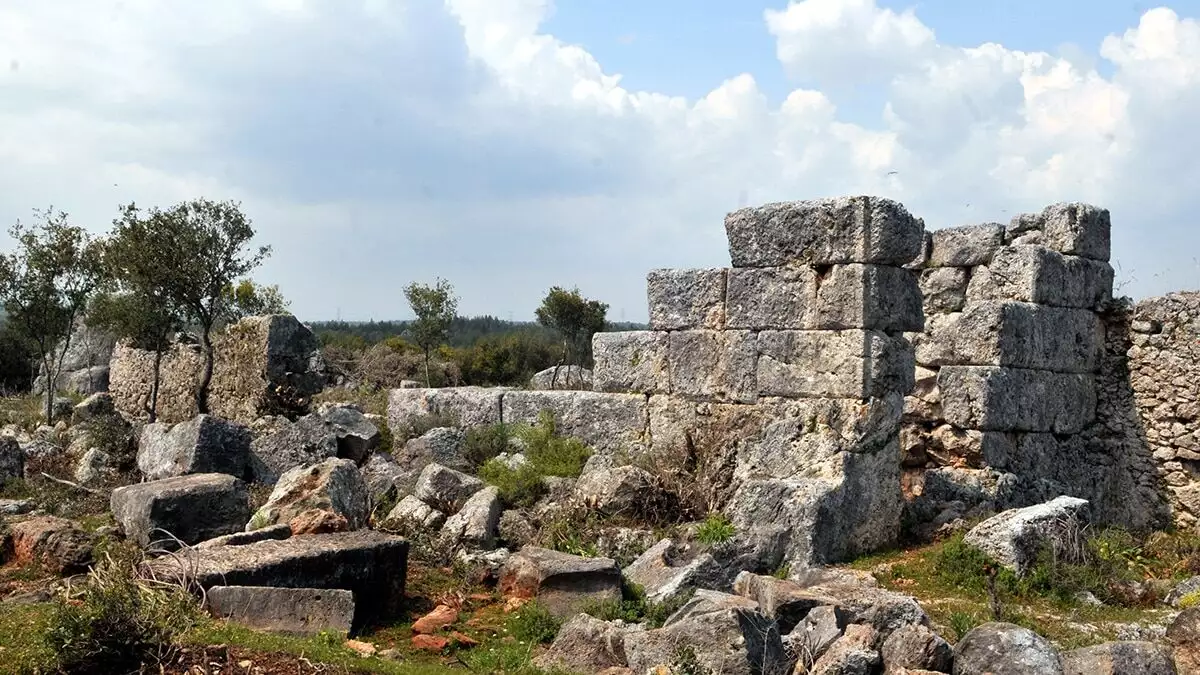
point(521, 486)
point(962, 623)
point(782, 571)
point(482, 444)
point(716, 529)
point(685, 662)
point(1190, 600)
point(551, 454)
point(533, 624)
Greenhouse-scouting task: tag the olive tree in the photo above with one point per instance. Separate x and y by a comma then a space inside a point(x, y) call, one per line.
point(435, 307)
point(576, 319)
point(45, 285)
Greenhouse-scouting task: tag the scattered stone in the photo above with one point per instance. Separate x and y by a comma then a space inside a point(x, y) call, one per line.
point(445, 489)
point(1015, 537)
point(96, 406)
point(413, 512)
point(1182, 590)
point(621, 491)
point(439, 619)
point(1184, 635)
point(363, 649)
point(815, 634)
point(430, 643)
point(442, 446)
point(185, 510)
point(564, 584)
point(306, 441)
point(334, 485)
point(667, 571)
point(206, 444)
point(586, 644)
point(356, 436)
point(1005, 649)
point(383, 477)
point(57, 543)
point(476, 525)
point(243, 538)
point(851, 654)
point(915, 647)
point(93, 467)
point(12, 459)
point(295, 611)
point(1120, 658)
point(16, 507)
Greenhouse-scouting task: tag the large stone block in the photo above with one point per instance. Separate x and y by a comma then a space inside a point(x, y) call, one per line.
point(295, 611)
point(1039, 275)
point(564, 584)
point(838, 364)
point(824, 232)
point(874, 297)
point(965, 246)
point(713, 365)
point(607, 423)
point(469, 406)
point(763, 298)
point(187, 510)
point(1072, 228)
point(1024, 335)
point(681, 299)
point(944, 289)
point(205, 444)
point(633, 361)
point(991, 398)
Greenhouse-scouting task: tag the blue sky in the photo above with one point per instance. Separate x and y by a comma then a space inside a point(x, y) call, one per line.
point(376, 142)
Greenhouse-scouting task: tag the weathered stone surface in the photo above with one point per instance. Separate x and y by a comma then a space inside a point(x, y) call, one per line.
point(282, 531)
point(1184, 636)
point(564, 584)
point(205, 444)
point(12, 459)
point(318, 521)
point(56, 543)
point(446, 489)
point(1039, 275)
point(187, 509)
point(383, 476)
point(620, 491)
point(667, 571)
point(334, 485)
point(16, 507)
point(562, 378)
point(779, 298)
point(815, 634)
point(631, 361)
point(357, 437)
point(607, 423)
point(439, 619)
point(823, 232)
point(413, 512)
point(967, 246)
point(723, 633)
point(851, 654)
point(1182, 590)
point(295, 611)
point(944, 289)
point(96, 406)
point(470, 406)
point(686, 299)
point(992, 398)
point(370, 564)
point(1005, 649)
point(1015, 537)
point(587, 645)
point(476, 525)
point(1077, 229)
point(872, 297)
point(443, 445)
point(713, 365)
point(306, 441)
point(836, 364)
point(83, 368)
point(1119, 658)
point(915, 647)
point(1023, 335)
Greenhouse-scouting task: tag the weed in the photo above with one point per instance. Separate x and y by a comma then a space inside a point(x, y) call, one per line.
point(716, 529)
point(485, 443)
point(685, 662)
point(533, 624)
point(962, 623)
point(546, 454)
point(520, 487)
point(783, 571)
point(634, 607)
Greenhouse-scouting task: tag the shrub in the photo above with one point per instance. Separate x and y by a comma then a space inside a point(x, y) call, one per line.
point(634, 607)
point(484, 443)
point(715, 529)
point(962, 623)
point(533, 624)
point(551, 454)
point(519, 487)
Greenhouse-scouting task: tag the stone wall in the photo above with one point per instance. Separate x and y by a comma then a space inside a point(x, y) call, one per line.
point(84, 367)
point(263, 366)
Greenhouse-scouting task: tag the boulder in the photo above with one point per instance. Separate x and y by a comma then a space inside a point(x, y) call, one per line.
point(915, 647)
point(476, 525)
point(413, 513)
point(294, 611)
point(306, 441)
point(56, 543)
point(383, 477)
point(12, 459)
point(667, 571)
point(205, 444)
point(96, 406)
point(334, 485)
point(183, 510)
point(562, 377)
point(370, 564)
point(443, 446)
point(815, 634)
point(1005, 649)
point(625, 491)
point(564, 584)
point(1120, 658)
point(1015, 537)
point(851, 654)
point(357, 437)
point(94, 466)
point(445, 489)
point(586, 644)
point(1184, 635)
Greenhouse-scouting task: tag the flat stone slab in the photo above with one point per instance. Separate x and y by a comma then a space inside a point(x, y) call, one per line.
point(371, 564)
point(564, 584)
point(295, 611)
point(189, 509)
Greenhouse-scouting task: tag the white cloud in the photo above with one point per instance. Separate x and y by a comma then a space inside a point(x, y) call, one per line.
point(376, 142)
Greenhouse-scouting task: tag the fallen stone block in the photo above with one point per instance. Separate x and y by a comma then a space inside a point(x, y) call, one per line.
point(771, 298)
point(967, 246)
point(607, 423)
point(283, 531)
point(1005, 649)
point(564, 584)
point(370, 564)
point(1039, 275)
point(686, 299)
point(12, 460)
point(306, 441)
point(872, 297)
point(58, 544)
point(667, 571)
point(916, 647)
point(414, 513)
point(476, 526)
point(854, 652)
point(184, 510)
point(334, 485)
point(835, 364)
point(1014, 538)
point(990, 398)
point(384, 477)
point(1118, 658)
point(205, 444)
point(713, 365)
point(814, 635)
point(631, 361)
point(443, 445)
point(446, 489)
point(624, 491)
point(357, 437)
point(586, 644)
point(294, 611)
point(1023, 335)
point(469, 406)
point(824, 232)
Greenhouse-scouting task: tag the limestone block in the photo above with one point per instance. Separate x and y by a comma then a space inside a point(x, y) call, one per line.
point(607, 423)
point(713, 365)
point(991, 398)
point(839, 364)
point(944, 289)
point(471, 406)
point(295, 611)
point(184, 510)
point(1072, 228)
point(936, 346)
point(681, 299)
point(563, 583)
point(632, 361)
point(780, 298)
point(1024, 335)
point(965, 246)
point(1039, 275)
point(824, 232)
point(874, 297)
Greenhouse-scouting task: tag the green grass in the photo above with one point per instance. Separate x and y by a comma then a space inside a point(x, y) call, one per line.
point(716, 529)
point(634, 607)
point(22, 649)
point(546, 454)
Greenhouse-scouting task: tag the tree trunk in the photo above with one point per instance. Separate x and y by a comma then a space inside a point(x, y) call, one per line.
point(206, 377)
point(428, 381)
point(50, 390)
point(153, 412)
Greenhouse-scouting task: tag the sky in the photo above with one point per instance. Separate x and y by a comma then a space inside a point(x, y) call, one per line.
point(513, 145)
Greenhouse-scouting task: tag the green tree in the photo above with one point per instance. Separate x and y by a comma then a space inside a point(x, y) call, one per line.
point(250, 299)
point(204, 248)
point(45, 286)
point(576, 319)
point(435, 307)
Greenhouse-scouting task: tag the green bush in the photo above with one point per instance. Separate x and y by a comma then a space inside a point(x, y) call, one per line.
point(635, 608)
point(485, 443)
point(716, 529)
point(519, 487)
point(533, 624)
point(546, 454)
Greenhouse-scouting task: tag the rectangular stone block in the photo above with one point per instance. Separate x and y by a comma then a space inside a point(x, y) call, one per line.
point(632, 361)
point(763, 298)
point(967, 246)
point(944, 289)
point(1077, 229)
point(470, 406)
point(1039, 275)
point(295, 611)
point(1024, 335)
point(686, 299)
point(873, 297)
point(824, 232)
point(992, 398)
point(838, 364)
point(936, 347)
point(607, 423)
point(713, 365)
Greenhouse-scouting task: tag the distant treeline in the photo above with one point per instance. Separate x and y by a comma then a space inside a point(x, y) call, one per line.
point(464, 331)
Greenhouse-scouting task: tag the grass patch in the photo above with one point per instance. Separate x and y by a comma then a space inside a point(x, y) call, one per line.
point(634, 607)
point(716, 529)
point(546, 454)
